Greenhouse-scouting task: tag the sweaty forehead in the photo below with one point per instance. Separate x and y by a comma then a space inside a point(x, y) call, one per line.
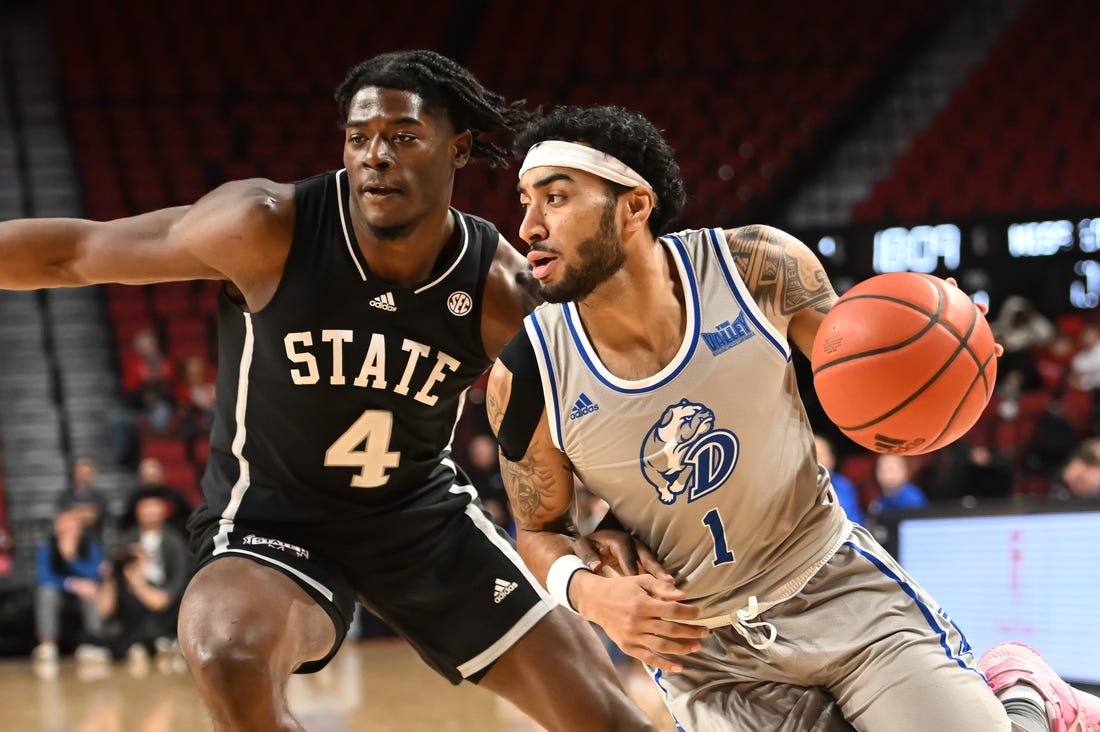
point(377, 104)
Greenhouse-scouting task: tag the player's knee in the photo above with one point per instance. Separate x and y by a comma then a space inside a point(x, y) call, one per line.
point(218, 659)
point(224, 653)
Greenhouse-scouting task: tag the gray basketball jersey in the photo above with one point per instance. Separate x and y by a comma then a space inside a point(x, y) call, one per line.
point(709, 461)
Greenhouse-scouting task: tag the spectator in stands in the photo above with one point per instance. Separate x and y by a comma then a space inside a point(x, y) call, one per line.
point(68, 566)
point(151, 479)
point(1052, 442)
point(967, 469)
point(148, 380)
point(898, 492)
point(1020, 328)
point(148, 397)
point(82, 492)
point(195, 397)
point(148, 570)
point(483, 467)
point(1085, 368)
point(1080, 478)
point(1053, 360)
point(846, 494)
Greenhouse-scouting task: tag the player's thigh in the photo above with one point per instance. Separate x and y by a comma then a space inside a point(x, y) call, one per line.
point(238, 608)
point(461, 596)
point(918, 690)
point(906, 666)
point(717, 703)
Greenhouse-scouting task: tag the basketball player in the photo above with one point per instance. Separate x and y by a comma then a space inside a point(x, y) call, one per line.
point(660, 374)
point(358, 308)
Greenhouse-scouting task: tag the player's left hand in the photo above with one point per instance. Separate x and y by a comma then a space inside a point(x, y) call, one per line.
point(615, 553)
point(984, 309)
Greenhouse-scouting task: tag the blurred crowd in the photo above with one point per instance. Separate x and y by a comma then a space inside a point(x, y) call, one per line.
point(160, 399)
point(108, 585)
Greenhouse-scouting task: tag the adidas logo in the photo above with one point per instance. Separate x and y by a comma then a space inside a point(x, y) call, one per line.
point(583, 406)
point(501, 590)
point(890, 445)
point(384, 302)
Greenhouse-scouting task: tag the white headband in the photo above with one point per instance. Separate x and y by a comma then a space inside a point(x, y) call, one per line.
point(561, 154)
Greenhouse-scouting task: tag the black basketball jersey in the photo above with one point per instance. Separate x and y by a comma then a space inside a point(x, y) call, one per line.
point(337, 401)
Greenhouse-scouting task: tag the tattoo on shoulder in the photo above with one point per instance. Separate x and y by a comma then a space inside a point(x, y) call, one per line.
point(783, 275)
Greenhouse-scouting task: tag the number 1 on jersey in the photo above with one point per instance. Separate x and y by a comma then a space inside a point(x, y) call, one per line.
point(372, 432)
point(713, 521)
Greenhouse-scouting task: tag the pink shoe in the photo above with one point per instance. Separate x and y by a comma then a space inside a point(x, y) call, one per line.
point(1069, 709)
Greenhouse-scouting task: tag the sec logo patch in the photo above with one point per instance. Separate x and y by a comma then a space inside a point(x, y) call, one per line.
point(459, 303)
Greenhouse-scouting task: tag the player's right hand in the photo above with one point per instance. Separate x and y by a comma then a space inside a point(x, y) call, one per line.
point(615, 553)
point(642, 614)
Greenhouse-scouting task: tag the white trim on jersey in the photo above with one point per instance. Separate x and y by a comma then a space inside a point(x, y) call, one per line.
point(746, 299)
point(546, 375)
point(344, 226)
point(488, 528)
point(236, 495)
point(458, 416)
point(325, 592)
point(531, 617)
point(459, 258)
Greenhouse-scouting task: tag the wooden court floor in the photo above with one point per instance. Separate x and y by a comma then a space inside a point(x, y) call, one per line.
point(372, 686)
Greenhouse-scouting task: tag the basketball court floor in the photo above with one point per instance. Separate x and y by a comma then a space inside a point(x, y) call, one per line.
point(370, 686)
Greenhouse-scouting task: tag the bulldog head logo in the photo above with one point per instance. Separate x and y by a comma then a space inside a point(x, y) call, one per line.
point(684, 452)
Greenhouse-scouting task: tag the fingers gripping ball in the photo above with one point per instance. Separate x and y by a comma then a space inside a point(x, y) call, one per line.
point(904, 363)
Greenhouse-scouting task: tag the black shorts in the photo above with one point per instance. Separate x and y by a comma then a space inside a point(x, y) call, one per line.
point(461, 598)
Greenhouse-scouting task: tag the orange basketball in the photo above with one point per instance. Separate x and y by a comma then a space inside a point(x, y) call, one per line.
point(904, 363)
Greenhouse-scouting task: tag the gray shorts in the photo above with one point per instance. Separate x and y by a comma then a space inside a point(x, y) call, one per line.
point(862, 647)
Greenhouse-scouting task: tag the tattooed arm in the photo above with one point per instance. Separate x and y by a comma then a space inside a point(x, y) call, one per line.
point(786, 280)
point(640, 613)
point(539, 485)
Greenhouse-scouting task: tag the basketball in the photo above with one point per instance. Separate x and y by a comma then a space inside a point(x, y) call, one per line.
point(904, 363)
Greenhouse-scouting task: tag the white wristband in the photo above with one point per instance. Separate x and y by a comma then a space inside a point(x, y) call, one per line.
point(561, 572)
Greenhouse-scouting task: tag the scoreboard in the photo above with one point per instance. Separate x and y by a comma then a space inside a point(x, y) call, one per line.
point(1054, 263)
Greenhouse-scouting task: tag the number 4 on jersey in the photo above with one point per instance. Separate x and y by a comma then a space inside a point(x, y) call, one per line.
point(371, 432)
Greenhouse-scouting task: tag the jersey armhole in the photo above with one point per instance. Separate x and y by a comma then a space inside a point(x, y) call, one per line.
point(526, 403)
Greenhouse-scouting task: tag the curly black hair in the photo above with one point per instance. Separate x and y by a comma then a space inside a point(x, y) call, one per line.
point(446, 87)
point(626, 135)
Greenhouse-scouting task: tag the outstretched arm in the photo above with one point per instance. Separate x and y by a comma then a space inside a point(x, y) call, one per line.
point(511, 293)
point(641, 613)
point(233, 233)
point(786, 280)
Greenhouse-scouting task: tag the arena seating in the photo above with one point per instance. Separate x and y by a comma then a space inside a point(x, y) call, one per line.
point(166, 101)
point(741, 103)
point(1019, 136)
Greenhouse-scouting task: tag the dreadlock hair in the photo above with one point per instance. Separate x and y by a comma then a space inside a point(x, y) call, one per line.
point(446, 88)
point(626, 135)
